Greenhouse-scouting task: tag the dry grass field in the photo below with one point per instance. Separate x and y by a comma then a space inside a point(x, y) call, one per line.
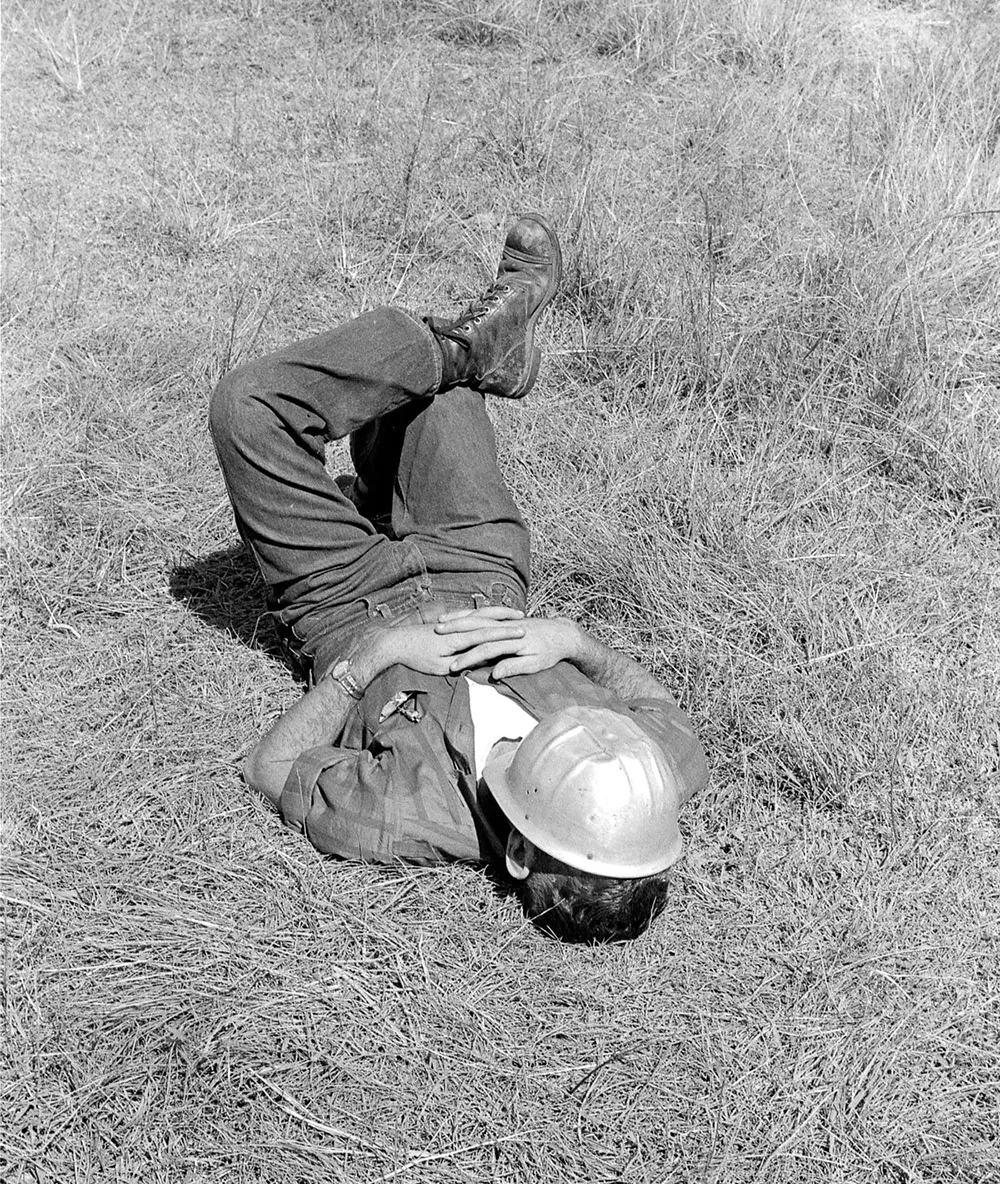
point(763, 457)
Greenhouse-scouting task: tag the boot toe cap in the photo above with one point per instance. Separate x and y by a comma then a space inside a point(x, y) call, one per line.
point(532, 236)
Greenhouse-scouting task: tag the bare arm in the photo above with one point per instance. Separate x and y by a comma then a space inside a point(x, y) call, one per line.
point(615, 671)
point(314, 719)
point(322, 711)
point(543, 642)
point(546, 641)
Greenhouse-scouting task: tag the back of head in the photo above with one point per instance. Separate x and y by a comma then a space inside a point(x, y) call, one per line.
point(598, 802)
point(577, 906)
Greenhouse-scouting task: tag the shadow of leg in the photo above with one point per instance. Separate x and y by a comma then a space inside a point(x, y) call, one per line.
point(226, 591)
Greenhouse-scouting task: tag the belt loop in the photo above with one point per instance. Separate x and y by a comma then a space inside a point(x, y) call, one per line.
point(502, 593)
point(379, 609)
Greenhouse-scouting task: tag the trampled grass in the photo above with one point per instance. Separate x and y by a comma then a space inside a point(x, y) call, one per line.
point(764, 458)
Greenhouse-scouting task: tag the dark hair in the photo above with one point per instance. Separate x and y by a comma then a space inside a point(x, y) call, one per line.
point(581, 907)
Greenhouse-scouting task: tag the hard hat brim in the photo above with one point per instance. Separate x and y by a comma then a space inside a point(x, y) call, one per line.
point(496, 775)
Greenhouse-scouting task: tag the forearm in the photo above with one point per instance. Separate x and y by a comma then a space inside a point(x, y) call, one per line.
point(320, 714)
point(614, 671)
point(314, 719)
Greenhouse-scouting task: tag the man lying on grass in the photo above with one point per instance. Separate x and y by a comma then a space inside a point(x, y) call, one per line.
point(442, 723)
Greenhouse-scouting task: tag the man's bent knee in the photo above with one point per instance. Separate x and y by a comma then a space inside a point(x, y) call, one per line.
point(234, 405)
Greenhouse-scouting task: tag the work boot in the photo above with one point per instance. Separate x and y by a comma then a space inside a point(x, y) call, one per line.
point(491, 346)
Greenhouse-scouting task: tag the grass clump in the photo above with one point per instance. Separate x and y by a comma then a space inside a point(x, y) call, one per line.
point(762, 458)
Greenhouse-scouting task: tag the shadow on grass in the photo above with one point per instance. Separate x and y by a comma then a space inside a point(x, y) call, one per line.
point(226, 591)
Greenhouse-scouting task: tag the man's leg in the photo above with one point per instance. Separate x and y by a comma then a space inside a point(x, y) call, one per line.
point(428, 476)
point(270, 421)
point(322, 559)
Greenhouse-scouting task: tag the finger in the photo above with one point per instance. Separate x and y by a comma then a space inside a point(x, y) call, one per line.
point(469, 618)
point(460, 624)
point(467, 641)
point(487, 652)
point(469, 625)
point(530, 664)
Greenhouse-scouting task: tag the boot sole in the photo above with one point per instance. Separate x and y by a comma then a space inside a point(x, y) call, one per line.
point(555, 277)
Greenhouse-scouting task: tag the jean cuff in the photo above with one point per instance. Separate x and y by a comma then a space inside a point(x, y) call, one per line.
point(437, 362)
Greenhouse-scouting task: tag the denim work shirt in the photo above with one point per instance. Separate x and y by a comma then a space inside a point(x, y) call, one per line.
point(399, 780)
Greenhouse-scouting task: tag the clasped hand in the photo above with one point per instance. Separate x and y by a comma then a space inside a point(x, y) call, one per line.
point(466, 638)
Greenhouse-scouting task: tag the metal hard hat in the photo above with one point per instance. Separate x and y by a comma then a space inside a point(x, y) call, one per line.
point(588, 786)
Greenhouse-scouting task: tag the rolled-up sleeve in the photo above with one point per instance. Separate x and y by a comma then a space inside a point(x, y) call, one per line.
point(338, 798)
point(370, 805)
point(664, 721)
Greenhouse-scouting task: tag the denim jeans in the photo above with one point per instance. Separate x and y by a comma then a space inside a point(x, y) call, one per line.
point(426, 519)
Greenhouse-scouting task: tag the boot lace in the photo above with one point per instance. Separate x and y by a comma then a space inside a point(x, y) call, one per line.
point(491, 300)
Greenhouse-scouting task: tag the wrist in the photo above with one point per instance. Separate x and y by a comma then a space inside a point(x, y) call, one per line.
point(592, 657)
point(362, 662)
point(579, 642)
point(373, 654)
